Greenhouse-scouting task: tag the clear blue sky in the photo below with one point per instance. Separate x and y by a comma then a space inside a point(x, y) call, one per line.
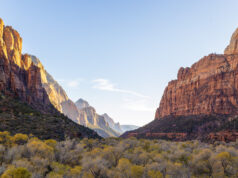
point(120, 55)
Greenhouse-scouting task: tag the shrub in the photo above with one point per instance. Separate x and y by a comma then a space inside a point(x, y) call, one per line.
point(16, 173)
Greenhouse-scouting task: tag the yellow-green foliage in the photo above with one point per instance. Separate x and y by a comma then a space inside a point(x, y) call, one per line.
point(5, 138)
point(40, 148)
point(52, 143)
point(23, 156)
point(19, 139)
point(16, 173)
point(137, 171)
point(154, 174)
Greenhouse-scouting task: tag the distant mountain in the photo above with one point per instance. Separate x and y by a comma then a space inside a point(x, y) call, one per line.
point(202, 103)
point(95, 121)
point(112, 124)
point(128, 127)
point(24, 77)
point(81, 104)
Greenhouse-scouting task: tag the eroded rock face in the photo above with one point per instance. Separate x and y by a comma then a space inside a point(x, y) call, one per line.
point(202, 103)
point(26, 77)
point(18, 76)
point(232, 48)
point(208, 87)
point(90, 118)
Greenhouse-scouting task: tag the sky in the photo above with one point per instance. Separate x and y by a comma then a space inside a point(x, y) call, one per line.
point(119, 55)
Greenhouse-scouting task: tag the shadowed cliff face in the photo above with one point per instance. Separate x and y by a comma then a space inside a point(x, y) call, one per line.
point(209, 86)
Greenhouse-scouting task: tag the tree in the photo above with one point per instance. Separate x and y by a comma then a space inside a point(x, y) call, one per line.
point(5, 138)
point(19, 139)
point(137, 171)
point(113, 154)
point(155, 174)
point(41, 149)
point(226, 160)
point(75, 172)
point(124, 166)
point(16, 173)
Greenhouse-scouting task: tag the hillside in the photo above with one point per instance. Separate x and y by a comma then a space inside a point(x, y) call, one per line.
point(18, 117)
point(23, 79)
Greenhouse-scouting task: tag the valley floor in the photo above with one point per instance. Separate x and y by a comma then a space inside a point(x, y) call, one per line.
point(27, 156)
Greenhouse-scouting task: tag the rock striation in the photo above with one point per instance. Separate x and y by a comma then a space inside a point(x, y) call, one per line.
point(210, 86)
point(18, 74)
point(202, 101)
point(112, 124)
point(23, 76)
point(91, 119)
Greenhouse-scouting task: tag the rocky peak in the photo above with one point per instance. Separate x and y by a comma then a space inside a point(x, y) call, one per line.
point(232, 48)
point(27, 78)
point(112, 124)
point(81, 104)
point(1, 27)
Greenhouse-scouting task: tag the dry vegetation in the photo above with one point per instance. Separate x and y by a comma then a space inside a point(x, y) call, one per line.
point(26, 156)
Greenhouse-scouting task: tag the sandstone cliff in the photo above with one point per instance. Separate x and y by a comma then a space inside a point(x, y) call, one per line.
point(23, 77)
point(18, 75)
point(209, 86)
point(202, 101)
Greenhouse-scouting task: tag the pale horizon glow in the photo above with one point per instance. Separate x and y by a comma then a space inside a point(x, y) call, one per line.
point(120, 55)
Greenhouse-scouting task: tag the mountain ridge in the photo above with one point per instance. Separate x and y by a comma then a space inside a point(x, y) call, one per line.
point(23, 79)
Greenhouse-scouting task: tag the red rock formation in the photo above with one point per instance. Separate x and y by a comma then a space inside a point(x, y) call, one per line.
point(209, 86)
point(17, 73)
point(226, 136)
point(202, 103)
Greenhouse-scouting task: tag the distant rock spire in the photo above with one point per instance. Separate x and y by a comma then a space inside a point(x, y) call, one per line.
point(232, 48)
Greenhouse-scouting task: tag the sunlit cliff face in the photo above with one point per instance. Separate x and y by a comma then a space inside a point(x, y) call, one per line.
point(209, 86)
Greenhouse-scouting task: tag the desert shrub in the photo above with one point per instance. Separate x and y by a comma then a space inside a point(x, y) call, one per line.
point(19, 139)
point(115, 158)
point(5, 138)
point(16, 173)
point(39, 148)
point(137, 171)
point(155, 174)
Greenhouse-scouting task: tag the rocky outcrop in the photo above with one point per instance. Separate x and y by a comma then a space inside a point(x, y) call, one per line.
point(26, 77)
point(97, 122)
point(112, 124)
point(18, 75)
point(208, 90)
point(81, 104)
point(232, 48)
point(209, 86)
point(23, 76)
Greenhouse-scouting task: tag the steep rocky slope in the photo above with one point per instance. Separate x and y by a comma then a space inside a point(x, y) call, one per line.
point(112, 124)
point(19, 117)
point(207, 88)
point(95, 121)
point(24, 77)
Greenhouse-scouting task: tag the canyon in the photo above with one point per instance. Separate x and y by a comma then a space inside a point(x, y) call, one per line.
point(24, 76)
